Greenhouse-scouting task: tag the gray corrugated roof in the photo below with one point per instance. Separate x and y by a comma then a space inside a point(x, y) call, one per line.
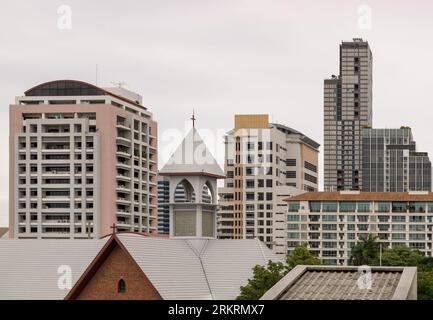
point(197, 268)
point(341, 283)
point(28, 268)
point(178, 268)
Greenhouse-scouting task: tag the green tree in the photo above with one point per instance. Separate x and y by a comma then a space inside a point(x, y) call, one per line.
point(425, 285)
point(366, 251)
point(264, 277)
point(402, 256)
point(301, 256)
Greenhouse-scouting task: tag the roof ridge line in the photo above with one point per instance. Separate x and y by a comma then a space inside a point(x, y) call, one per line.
point(261, 250)
point(201, 263)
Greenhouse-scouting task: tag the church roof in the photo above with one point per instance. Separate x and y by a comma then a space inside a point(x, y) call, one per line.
point(192, 157)
point(29, 268)
point(201, 268)
point(179, 268)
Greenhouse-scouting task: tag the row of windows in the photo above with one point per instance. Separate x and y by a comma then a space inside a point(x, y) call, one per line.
point(352, 206)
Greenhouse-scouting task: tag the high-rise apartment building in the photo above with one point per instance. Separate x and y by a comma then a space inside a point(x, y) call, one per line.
point(331, 223)
point(347, 110)
point(391, 163)
point(81, 159)
point(163, 205)
point(264, 163)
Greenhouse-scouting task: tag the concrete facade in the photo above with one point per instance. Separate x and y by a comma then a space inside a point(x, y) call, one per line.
point(79, 163)
point(264, 163)
point(331, 223)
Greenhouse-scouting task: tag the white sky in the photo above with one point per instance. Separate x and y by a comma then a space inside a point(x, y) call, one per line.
point(220, 57)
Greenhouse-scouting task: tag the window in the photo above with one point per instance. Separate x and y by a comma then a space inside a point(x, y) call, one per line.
point(310, 166)
point(363, 207)
point(329, 206)
point(293, 206)
point(291, 162)
point(347, 206)
point(399, 207)
point(121, 286)
point(310, 178)
point(384, 207)
point(418, 207)
point(291, 174)
point(250, 183)
point(315, 206)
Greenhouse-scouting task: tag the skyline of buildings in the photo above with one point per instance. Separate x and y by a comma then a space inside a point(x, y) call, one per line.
point(264, 162)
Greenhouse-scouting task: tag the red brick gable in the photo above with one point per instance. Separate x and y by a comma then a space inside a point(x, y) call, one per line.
point(100, 280)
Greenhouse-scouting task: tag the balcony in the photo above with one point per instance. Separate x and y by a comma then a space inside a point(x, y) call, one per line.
point(123, 126)
point(123, 213)
point(123, 177)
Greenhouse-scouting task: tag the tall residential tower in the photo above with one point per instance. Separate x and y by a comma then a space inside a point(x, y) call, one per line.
point(347, 110)
point(81, 159)
point(264, 164)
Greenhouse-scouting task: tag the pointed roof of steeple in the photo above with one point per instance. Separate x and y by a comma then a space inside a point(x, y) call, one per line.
point(192, 157)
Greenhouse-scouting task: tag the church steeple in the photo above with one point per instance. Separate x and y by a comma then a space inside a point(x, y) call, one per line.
point(192, 170)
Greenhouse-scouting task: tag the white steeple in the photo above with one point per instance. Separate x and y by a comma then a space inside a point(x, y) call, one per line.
point(192, 157)
point(193, 168)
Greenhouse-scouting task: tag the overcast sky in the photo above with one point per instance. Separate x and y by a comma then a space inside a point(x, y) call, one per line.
point(221, 57)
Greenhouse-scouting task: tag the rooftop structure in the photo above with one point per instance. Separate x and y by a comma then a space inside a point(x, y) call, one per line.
point(343, 283)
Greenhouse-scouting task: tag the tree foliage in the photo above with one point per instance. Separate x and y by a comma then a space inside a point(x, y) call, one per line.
point(301, 256)
point(264, 277)
point(365, 252)
point(402, 256)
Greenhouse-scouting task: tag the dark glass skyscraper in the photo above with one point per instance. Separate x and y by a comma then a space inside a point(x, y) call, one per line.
point(390, 162)
point(347, 110)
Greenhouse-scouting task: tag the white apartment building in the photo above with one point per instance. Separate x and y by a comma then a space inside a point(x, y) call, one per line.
point(264, 164)
point(81, 159)
point(331, 223)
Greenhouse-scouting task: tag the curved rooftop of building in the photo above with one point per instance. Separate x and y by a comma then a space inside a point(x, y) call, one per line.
point(66, 87)
point(288, 130)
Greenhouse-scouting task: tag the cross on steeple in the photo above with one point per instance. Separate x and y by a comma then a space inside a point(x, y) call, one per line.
point(113, 226)
point(193, 118)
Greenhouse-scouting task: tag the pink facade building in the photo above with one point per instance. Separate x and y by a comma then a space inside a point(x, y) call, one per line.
point(81, 159)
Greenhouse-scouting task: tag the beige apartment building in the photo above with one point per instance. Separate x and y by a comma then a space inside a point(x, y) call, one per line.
point(331, 223)
point(81, 159)
point(264, 164)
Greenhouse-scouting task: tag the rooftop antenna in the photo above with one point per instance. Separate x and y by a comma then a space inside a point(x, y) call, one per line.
point(119, 84)
point(96, 75)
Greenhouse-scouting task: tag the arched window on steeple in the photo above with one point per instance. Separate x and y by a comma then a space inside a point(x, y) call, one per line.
point(121, 286)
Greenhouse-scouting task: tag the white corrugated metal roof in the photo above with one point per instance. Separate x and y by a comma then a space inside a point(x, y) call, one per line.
point(192, 156)
point(29, 268)
point(197, 268)
point(179, 268)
